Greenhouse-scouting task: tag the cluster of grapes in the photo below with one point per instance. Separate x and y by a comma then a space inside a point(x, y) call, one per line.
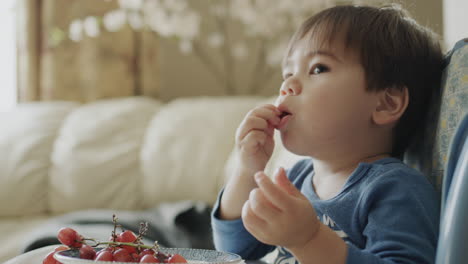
point(122, 247)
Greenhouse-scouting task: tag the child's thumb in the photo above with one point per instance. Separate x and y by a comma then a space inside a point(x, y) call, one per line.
point(282, 180)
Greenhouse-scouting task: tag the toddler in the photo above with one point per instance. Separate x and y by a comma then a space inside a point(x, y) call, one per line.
point(357, 84)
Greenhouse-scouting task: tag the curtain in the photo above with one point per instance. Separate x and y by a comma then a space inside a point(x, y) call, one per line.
point(51, 66)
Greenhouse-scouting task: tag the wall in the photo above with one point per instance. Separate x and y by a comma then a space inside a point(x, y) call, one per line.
point(427, 13)
point(184, 74)
point(181, 75)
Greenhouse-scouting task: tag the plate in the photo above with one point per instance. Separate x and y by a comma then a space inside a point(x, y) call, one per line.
point(195, 256)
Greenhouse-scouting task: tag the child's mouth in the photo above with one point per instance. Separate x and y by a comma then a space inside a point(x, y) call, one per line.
point(283, 114)
point(284, 118)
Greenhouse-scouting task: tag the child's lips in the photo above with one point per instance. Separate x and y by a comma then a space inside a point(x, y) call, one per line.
point(285, 117)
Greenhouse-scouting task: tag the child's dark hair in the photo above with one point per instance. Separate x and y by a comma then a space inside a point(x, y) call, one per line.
point(394, 50)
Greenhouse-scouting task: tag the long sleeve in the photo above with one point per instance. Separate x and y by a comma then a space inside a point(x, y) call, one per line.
point(231, 236)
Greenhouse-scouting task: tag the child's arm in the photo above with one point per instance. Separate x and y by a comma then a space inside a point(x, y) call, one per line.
point(278, 214)
point(254, 143)
point(254, 146)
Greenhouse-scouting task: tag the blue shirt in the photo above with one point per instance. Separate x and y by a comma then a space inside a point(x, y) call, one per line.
point(386, 213)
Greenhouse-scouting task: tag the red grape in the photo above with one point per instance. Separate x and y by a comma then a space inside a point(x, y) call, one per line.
point(70, 237)
point(104, 255)
point(136, 257)
point(87, 252)
point(176, 258)
point(49, 259)
point(110, 249)
point(122, 255)
point(130, 249)
point(128, 237)
point(61, 248)
point(123, 247)
point(146, 251)
point(149, 259)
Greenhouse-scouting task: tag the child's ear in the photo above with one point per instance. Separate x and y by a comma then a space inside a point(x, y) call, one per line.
point(391, 105)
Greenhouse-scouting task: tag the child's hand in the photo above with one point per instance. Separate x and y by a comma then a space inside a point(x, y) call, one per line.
point(254, 137)
point(279, 214)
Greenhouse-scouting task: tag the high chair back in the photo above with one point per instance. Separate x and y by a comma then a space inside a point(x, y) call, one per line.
point(441, 153)
point(429, 152)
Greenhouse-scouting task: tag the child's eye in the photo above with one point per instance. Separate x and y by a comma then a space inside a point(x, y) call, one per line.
point(317, 69)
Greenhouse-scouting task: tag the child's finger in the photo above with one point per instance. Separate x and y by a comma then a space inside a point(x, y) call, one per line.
point(267, 112)
point(251, 124)
point(272, 192)
point(253, 139)
point(250, 219)
point(282, 180)
point(261, 206)
point(272, 107)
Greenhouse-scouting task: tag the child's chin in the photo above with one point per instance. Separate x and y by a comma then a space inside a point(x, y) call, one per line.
point(290, 145)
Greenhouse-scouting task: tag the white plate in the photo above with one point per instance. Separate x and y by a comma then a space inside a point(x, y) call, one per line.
point(204, 256)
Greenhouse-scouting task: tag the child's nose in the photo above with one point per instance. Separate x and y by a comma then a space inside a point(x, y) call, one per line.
point(292, 86)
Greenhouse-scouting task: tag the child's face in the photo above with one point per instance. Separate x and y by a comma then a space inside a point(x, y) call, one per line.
point(324, 89)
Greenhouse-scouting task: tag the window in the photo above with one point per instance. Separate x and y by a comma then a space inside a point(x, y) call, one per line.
point(455, 22)
point(7, 55)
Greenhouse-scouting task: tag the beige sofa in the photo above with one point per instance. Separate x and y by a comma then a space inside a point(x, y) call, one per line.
point(124, 154)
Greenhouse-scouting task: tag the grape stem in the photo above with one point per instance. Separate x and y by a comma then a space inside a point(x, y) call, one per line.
point(114, 243)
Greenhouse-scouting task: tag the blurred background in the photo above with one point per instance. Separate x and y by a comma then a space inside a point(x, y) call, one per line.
point(83, 50)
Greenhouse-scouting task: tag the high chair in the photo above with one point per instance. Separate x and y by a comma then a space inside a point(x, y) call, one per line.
point(442, 154)
point(452, 247)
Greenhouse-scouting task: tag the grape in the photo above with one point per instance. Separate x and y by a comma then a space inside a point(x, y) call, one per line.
point(70, 237)
point(146, 252)
point(67, 236)
point(49, 259)
point(176, 258)
point(110, 249)
point(149, 259)
point(61, 248)
point(136, 257)
point(126, 236)
point(87, 252)
point(122, 247)
point(129, 237)
point(104, 255)
point(122, 255)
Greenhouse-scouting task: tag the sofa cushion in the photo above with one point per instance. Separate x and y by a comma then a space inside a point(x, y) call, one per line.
point(95, 162)
point(27, 138)
point(187, 145)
